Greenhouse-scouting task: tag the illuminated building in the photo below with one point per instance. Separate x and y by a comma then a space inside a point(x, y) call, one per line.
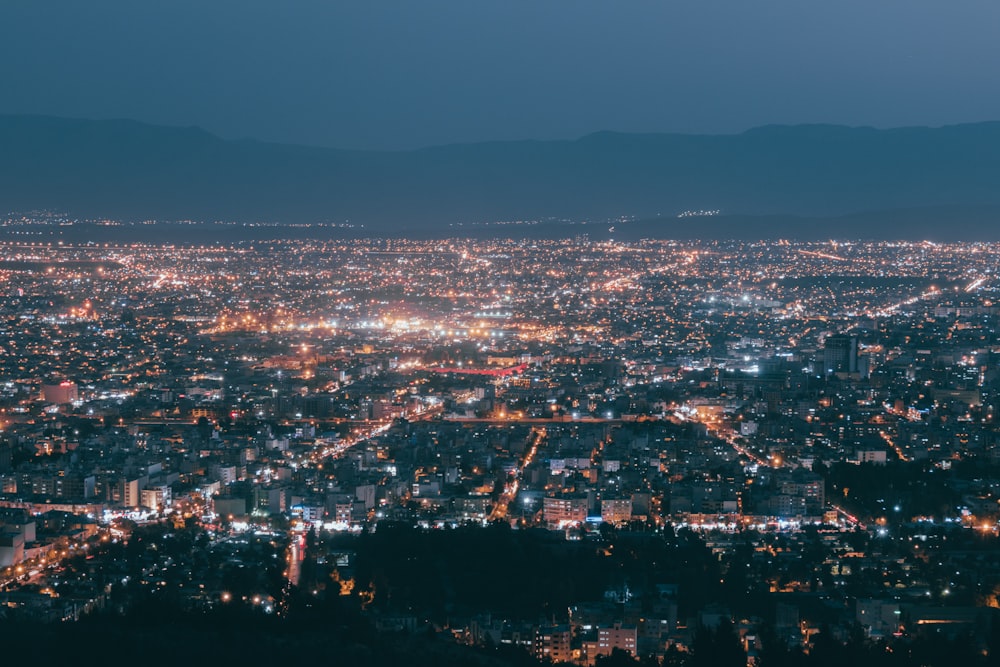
point(552, 643)
point(60, 394)
point(617, 636)
point(563, 511)
point(616, 511)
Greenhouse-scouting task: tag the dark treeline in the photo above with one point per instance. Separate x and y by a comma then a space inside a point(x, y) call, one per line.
point(329, 633)
point(441, 577)
point(524, 575)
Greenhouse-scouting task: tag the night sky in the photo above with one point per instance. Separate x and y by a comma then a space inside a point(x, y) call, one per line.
point(396, 74)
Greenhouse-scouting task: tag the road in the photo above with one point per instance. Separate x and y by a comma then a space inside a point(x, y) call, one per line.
point(729, 436)
point(32, 571)
point(509, 494)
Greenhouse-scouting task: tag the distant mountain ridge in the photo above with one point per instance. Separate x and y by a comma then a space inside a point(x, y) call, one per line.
point(816, 174)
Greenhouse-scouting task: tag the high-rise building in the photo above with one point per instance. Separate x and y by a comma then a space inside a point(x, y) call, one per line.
point(64, 392)
point(840, 354)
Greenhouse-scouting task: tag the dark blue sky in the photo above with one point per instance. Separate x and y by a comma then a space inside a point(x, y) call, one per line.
point(407, 73)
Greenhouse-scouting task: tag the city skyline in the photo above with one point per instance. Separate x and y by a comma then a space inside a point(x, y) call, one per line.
point(519, 450)
point(522, 334)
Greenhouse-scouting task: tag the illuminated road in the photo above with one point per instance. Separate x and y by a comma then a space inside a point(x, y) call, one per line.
point(894, 447)
point(533, 420)
point(889, 310)
point(824, 255)
point(510, 490)
point(340, 447)
point(729, 437)
point(851, 519)
point(32, 571)
point(743, 451)
point(975, 284)
point(295, 554)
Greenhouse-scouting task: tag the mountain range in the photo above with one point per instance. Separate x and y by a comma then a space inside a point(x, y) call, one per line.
point(804, 181)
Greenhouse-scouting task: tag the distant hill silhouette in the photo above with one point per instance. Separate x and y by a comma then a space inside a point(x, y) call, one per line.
point(811, 181)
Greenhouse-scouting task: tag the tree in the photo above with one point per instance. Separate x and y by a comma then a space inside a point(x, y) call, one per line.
point(718, 647)
point(618, 658)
